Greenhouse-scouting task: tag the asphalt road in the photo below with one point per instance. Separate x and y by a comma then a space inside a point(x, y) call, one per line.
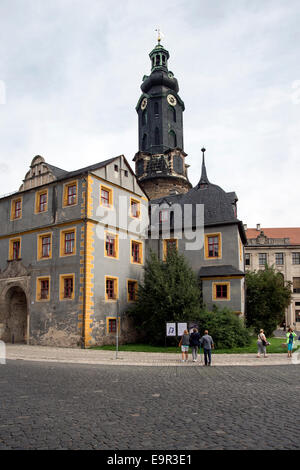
point(78, 406)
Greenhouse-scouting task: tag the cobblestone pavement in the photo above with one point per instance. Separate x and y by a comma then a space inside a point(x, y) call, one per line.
point(48, 405)
point(89, 356)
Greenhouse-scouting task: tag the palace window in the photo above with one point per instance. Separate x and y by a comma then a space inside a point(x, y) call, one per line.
point(43, 288)
point(221, 291)
point(105, 196)
point(163, 215)
point(213, 245)
point(169, 245)
point(46, 246)
point(279, 258)
point(296, 258)
point(112, 325)
point(70, 194)
point(136, 252)
point(262, 259)
point(68, 287)
point(16, 249)
point(247, 259)
point(296, 285)
point(67, 282)
point(16, 209)
point(69, 243)
point(134, 208)
point(132, 290)
point(111, 245)
point(111, 288)
point(43, 202)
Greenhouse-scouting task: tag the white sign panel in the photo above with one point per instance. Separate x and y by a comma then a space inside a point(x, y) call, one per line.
point(180, 328)
point(171, 329)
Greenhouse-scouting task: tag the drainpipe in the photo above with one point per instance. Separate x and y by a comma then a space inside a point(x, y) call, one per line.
point(84, 266)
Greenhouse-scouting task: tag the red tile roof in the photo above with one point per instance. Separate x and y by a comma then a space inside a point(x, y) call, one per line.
point(292, 233)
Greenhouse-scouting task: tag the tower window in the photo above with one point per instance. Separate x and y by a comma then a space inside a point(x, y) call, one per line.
point(156, 111)
point(163, 59)
point(140, 167)
point(144, 118)
point(157, 60)
point(172, 139)
point(157, 139)
point(178, 164)
point(144, 142)
point(174, 114)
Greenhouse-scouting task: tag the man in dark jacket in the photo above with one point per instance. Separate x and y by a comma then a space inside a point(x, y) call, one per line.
point(195, 343)
point(208, 345)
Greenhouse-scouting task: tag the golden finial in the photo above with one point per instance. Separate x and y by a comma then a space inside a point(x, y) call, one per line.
point(159, 35)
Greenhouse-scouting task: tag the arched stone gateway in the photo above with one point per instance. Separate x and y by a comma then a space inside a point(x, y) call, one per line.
point(14, 317)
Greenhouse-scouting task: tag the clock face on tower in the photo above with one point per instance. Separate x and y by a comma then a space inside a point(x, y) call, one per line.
point(144, 103)
point(171, 100)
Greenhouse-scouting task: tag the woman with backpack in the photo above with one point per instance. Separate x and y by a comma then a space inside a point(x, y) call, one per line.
point(261, 344)
point(290, 338)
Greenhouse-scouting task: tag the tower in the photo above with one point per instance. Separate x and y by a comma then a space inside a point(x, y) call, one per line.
point(160, 162)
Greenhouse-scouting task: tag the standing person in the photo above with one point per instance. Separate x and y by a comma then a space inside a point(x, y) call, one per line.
point(290, 337)
point(195, 343)
point(208, 345)
point(261, 344)
point(184, 343)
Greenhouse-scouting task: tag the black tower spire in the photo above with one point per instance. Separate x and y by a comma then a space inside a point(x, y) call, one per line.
point(203, 183)
point(160, 121)
point(160, 108)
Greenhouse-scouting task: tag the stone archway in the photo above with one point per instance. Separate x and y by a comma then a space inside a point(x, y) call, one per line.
point(14, 319)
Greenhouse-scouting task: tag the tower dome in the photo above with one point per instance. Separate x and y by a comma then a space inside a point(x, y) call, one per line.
point(160, 161)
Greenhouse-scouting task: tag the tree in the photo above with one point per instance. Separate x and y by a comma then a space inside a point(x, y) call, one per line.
point(169, 292)
point(267, 298)
point(226, 328)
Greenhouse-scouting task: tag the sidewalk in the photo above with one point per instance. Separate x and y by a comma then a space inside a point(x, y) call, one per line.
point(89, 356)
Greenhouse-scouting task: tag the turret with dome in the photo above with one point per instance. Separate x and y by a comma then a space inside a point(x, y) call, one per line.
point(160, 162)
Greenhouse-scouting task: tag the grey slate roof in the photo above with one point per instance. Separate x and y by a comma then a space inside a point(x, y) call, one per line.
point(218, 206)
point(58, 172)
point(62, 174)
point(225, 270)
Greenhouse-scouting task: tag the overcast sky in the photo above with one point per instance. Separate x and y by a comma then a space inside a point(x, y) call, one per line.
point(72, 71)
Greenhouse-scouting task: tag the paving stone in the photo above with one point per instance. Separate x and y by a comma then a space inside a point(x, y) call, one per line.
point(230, 402)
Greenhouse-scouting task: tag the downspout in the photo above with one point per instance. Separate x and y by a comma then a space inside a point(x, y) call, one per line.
point(84, 266)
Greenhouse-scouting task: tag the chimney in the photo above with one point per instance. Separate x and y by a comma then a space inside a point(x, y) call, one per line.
point(257, 226)
point(245, 227)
